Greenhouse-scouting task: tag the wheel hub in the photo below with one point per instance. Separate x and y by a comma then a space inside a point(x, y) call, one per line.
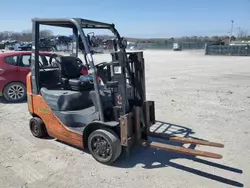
point(101, 147)
point(16, 92)
point(34, 128)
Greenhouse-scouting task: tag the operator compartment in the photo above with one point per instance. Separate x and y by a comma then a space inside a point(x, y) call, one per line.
point(71, 74)
point(67, 92)
point(70, 95)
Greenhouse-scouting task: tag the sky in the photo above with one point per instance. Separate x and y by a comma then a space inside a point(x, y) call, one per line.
point(134, 18)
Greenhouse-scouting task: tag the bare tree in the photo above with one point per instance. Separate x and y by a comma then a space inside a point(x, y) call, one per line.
point(242, 33)
point(25, 36)
point(46, 33)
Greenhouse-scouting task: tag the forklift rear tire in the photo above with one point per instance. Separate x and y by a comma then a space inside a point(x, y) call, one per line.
point(37, 127)
point(104, 145)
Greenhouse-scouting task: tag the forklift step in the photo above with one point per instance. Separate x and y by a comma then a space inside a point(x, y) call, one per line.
point(182, 150)
point(186, 140)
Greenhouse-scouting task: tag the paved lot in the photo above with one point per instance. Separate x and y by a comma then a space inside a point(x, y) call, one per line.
point(202, 96)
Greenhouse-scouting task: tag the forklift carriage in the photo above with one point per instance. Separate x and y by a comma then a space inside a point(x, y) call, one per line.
point(75, 109)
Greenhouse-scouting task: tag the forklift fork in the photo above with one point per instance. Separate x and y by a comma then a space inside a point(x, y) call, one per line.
point(135, 130)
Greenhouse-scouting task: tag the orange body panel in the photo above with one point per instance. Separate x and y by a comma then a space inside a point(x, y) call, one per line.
point(29, 93)
point(54, 126)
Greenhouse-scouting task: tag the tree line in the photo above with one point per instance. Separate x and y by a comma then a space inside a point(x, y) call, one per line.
point(26, 36)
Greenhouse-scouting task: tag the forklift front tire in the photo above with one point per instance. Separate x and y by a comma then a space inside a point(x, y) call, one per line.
point(37, 127)
point(104, 145)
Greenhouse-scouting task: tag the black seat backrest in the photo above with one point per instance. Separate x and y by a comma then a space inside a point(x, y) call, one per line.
point(69, 67)
point(50, 78)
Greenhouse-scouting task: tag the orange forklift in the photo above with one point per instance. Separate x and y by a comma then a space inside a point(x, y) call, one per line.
point(77, 110)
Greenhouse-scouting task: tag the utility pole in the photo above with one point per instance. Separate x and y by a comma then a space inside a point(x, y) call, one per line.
point(231, 32)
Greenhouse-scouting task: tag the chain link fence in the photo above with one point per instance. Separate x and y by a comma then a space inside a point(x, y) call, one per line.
point(230, 50)
point(156, 46)
point(169, 45)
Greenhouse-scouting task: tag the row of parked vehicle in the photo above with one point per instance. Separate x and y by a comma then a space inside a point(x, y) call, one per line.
point(46, 44)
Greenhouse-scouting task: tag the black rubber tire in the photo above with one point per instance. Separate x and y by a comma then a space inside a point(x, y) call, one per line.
point(112, 139)
point(8, 97)
point(37, 127)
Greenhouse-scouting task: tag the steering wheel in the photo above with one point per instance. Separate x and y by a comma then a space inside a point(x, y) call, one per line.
point(101, 65)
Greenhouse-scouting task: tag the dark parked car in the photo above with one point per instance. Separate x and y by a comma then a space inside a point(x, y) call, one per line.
point(43, 47)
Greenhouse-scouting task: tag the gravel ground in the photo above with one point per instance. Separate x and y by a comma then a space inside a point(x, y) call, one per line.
point(206, 97)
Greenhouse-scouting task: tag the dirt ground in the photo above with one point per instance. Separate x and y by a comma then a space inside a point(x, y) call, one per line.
point(206, 97)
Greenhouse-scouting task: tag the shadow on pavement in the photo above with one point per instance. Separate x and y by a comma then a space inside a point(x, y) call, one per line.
point(153, 158)
point(4, 101)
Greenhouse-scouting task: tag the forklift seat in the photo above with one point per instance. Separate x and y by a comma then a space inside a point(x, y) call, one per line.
point(71, 77)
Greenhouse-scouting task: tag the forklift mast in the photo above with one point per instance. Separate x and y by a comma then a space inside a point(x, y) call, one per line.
point(127, 72)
